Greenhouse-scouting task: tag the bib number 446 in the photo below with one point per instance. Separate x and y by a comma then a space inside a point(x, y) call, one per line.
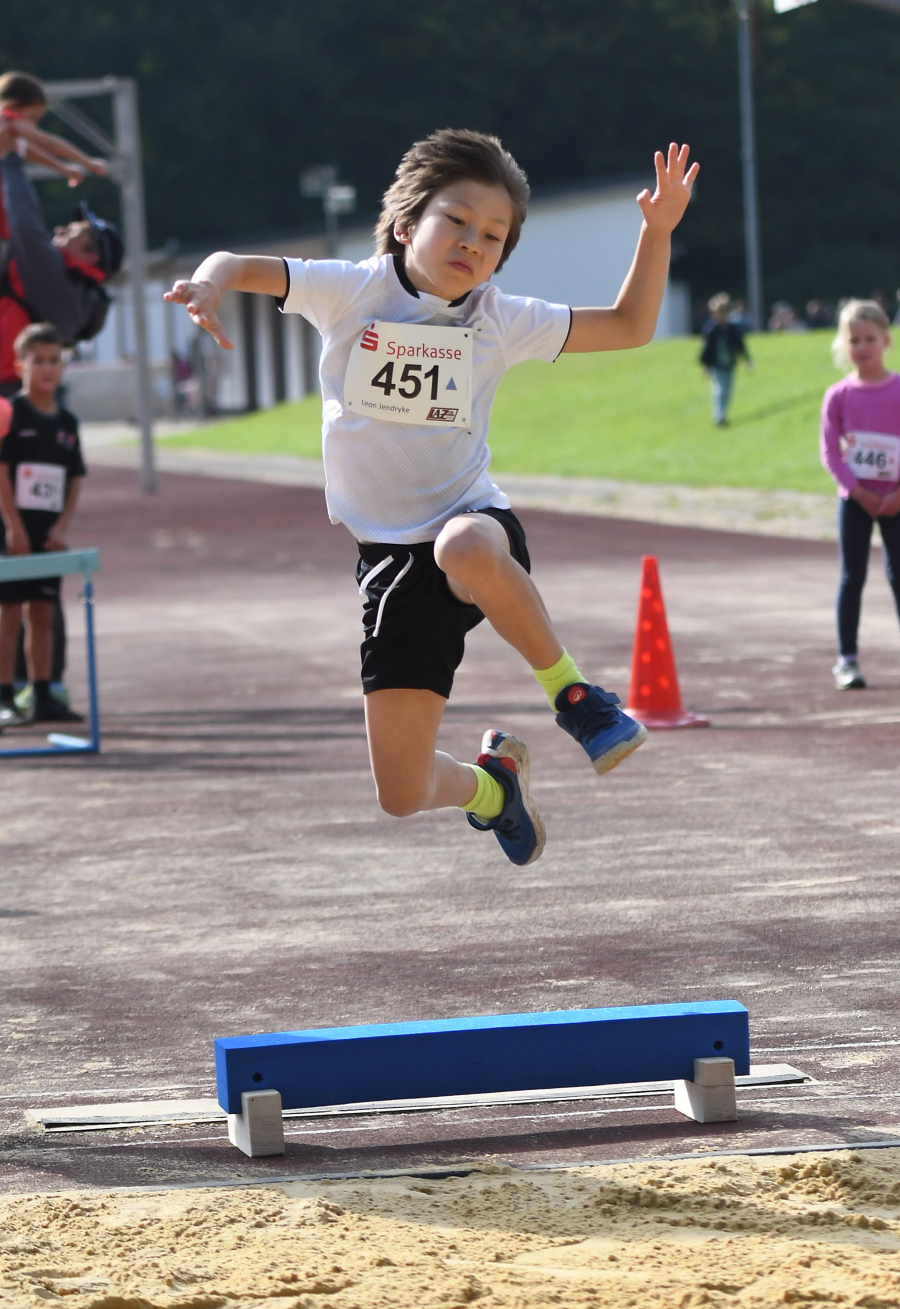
point(873, 456)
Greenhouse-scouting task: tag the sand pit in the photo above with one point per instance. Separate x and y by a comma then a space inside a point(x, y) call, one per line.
point(822, 1228)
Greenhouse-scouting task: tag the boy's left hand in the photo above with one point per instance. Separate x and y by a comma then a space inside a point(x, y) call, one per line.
point(664, 209)
point(55, 539)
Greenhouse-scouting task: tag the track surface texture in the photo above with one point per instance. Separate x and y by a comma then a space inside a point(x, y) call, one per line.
point(222, 866)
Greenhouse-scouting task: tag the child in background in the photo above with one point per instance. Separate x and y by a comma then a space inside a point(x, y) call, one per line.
point(23, 103)
point(40, 478)
point(860, 446)
point(723, 346)
point(415, 345)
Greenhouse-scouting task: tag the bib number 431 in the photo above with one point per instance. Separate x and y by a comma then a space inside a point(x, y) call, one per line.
point(41, 486)
point(411, 373)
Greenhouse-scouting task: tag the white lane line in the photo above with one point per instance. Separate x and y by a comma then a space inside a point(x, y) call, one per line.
point(848, 1045)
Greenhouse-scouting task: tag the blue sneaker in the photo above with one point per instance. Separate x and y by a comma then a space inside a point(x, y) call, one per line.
point(518, 826)
point(589, 714)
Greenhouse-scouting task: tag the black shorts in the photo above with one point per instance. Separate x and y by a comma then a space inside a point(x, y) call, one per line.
point(415, 627)
point(35, 588)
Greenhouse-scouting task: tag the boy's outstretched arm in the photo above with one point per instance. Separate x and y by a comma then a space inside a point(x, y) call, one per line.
point(223, 272)
point(632, 319)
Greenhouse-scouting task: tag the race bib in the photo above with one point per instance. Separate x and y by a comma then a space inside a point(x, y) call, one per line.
point(874, 456)
point(411, 373)
point(41, 486)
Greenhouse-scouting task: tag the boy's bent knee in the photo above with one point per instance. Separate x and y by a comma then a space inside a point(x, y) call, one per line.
point(470, 541)
point(400, 801)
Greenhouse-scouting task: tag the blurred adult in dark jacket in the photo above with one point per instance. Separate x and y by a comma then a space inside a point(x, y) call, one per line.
point(48, 277)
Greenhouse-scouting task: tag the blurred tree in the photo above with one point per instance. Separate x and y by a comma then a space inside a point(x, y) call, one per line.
point(237, 99)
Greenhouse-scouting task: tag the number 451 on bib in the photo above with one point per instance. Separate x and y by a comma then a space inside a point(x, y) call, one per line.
point(411, 373)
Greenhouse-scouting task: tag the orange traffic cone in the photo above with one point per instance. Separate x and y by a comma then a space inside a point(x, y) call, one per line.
point(654, 698)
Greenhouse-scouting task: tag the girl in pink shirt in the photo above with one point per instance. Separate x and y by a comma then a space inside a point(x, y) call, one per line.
point(860, 446)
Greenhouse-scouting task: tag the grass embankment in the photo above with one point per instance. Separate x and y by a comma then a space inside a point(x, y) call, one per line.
point(638, 415)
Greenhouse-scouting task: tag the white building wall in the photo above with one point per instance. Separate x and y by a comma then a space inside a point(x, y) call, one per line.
point(294, 370)
point(232, 389)
point(116, 340)
point(575, 249)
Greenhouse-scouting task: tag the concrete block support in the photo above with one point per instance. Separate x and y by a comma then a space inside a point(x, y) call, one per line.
point(259, 1129)
point(710, 1097)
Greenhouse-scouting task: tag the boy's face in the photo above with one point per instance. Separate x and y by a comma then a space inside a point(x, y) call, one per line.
point(41, 370)
point(458, 241)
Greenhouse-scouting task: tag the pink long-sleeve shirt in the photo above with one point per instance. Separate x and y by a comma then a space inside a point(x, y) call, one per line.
point(855, 406)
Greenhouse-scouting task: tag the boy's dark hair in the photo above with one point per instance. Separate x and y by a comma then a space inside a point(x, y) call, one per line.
point(450, 155)
point(22, 89)
point(36, 334)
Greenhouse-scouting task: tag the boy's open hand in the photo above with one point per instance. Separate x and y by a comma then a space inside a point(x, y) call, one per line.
point(56, 540)
point(664, 209)
point(18, 542)
point(201, 300)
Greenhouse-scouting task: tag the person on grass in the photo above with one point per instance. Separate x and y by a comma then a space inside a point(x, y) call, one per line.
point(860, 448)
point(415, 345)
point(40, 477)
point(723, 346)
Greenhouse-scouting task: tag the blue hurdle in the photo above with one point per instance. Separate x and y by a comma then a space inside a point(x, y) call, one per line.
point(700, 1047)
point(60, 563)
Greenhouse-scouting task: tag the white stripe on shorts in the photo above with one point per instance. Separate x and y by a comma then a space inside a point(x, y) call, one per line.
point(372, 574)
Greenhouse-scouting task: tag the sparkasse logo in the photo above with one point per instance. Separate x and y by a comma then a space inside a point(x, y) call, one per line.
point(369, 338)
point(438, 415)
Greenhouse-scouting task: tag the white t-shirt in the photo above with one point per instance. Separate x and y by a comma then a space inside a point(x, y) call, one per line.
point(395, 482)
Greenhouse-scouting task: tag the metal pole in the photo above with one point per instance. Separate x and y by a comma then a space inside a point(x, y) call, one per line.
point(129, 144)
point(87, 596)
point(331, 231)
point(748, 158)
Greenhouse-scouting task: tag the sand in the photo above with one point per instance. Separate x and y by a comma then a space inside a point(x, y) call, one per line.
point(807, 1229)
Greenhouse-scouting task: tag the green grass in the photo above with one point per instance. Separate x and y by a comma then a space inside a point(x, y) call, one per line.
point(635, 415)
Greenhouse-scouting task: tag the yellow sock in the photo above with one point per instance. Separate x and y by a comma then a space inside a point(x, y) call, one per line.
point(489, 798)
point(563, 673)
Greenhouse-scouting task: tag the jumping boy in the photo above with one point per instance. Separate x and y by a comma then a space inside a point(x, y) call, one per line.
point(414, 346)
point(40, 477)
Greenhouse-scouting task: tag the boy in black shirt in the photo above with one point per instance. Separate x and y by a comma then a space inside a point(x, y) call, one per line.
point(40, 477)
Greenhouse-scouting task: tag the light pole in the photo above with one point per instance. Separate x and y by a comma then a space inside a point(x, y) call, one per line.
point(753, 257)
point(782, 6)
point(124, 154)
point(321, 182)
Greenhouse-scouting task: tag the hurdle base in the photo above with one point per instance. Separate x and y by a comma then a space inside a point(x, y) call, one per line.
point(710, 1097)
point(259, 1129)
point(69, 742)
